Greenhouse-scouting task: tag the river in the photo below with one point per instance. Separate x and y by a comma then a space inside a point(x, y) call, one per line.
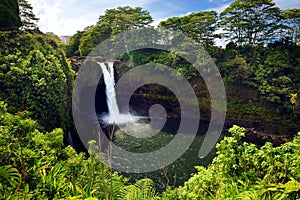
point(135, 140)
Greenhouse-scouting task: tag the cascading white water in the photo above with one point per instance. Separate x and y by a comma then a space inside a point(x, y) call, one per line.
point(114, 115)
point(109, 79)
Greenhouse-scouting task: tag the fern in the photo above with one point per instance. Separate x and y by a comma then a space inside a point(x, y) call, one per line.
point(9, 175)
point(142, 189)
point(289, 190)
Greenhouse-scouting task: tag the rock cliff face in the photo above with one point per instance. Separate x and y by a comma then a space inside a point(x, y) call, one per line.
point(100, 97)
point(76, 62)
point(148, 95)
point(260, 138)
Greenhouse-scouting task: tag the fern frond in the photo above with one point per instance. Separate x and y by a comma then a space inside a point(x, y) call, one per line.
point(10, 175)
point(142, 189)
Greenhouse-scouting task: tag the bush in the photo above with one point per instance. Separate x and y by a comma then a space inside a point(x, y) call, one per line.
point(244, 171)
point(36, 77)
point(36, 165)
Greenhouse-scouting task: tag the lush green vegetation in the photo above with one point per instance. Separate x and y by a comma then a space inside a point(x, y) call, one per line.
point(112, 22)
point(9, 15)
point(243, 171)
point(260, 67)
point(36, 165)
point(262, 52)
point(17, 14)
point(35, 76)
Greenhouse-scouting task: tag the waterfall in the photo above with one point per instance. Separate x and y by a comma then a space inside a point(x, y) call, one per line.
point(109, 80)
point(114, 115)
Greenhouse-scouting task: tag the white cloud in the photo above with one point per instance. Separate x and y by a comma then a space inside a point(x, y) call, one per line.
point(155, 23)
point(222, 41)
point(54, 17)
point(68, 16)
point(285, 4)
point(219, 9)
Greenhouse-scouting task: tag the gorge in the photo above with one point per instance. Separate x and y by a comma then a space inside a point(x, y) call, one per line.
point(140, 104)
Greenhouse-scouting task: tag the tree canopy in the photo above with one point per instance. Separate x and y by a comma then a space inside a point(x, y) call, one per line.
point(292, 19)
point(125, 18)
point(200, 26)
point(9, 15)
point(28, 18)
point(114, 21)
point(251, 22)
point(36, 77)
point(94, 36)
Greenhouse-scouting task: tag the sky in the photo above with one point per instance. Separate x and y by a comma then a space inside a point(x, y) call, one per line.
point(65, 17)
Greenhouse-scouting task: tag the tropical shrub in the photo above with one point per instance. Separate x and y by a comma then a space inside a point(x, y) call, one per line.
point(244, 171)
point(36, 77)
point(37, 165)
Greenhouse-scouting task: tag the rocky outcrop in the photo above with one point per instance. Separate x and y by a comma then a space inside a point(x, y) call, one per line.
point(258, 137)
point(76, 62)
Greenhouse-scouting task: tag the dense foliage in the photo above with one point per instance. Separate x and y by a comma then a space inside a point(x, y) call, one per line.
point(200, 26)
point(9, 15)
point(36, 165)
point(112, 22)
point(125, 18)
point(251, 22)
point(28, 18)
point(72, 49)
point(292, 19)
point(262, 52)
point(91, 38)
point(244, 171)
point(260, 66)
point(36, 77)
point(273, 72)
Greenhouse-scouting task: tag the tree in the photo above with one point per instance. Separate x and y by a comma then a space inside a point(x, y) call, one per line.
point(28, 18)
point(200, 26)
point(251, 22)
point(36, 77)
point(174, 23)
point(125, 18)
point(292, 20)
point(236, 70)
point(9, 15)
point(114, 21)
point(273, 77)
point(72, 48)
point(90, 39)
